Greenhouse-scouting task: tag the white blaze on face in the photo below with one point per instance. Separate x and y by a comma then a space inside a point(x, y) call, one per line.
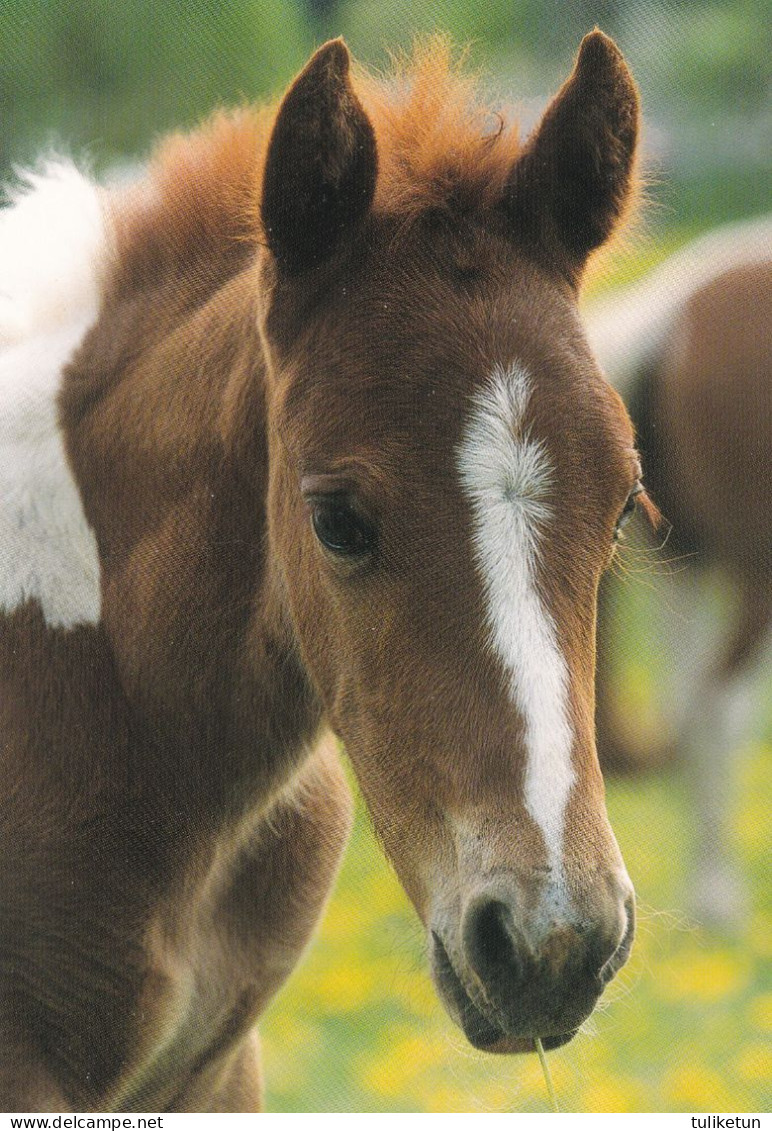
point(52, 252)
point(506, 475)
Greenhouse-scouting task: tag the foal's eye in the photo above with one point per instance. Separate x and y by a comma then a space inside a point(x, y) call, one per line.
point(627, 512)
point(341, 529)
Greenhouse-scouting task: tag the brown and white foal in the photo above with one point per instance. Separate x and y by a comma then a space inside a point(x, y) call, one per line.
point(302, 430)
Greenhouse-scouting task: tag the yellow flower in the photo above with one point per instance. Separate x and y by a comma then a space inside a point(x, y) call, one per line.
point(445, 1097)
point(696, 1087)
point(750, 825)
point(386, 896)
point(753, 1063)
point(753, 768)
point(383, 1078)
point(403, 1062)
point(344, 920)
point(615, 1095)
point(344, 988)
point(701, 976)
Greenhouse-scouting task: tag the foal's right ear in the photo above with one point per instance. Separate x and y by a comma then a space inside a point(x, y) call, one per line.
point(321, 167)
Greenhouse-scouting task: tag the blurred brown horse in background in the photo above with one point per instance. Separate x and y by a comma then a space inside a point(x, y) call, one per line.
point(690, 349)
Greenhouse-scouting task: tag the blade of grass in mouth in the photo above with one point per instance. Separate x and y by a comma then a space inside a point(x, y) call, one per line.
point(547, 1077)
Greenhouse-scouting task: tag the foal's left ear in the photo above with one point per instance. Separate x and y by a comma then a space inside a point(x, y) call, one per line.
point(321, 167)
point(571, 183)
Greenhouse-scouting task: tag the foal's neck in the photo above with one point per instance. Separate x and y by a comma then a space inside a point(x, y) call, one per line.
point(166, 423)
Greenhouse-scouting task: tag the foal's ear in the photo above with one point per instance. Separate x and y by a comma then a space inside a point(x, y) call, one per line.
point(574, 177)
point(321, 167)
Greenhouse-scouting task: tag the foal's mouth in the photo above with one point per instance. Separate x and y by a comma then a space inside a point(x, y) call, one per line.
point(484, 1023)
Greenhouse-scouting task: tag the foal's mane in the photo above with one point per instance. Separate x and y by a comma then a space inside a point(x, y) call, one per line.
point(440, 148)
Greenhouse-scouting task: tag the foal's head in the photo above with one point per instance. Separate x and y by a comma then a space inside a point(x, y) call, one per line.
point(448, 473)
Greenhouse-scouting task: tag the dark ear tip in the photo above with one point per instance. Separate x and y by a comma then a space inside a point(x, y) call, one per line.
point(599, 52)
point(332, 57)
point(601, 67)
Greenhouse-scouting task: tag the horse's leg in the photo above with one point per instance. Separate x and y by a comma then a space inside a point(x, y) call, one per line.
point(280, 887)
point(722, 710)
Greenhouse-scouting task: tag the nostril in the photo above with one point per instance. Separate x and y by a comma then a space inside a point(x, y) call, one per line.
point(489, 940)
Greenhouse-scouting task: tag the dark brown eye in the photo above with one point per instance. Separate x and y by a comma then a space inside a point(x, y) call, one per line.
point(627, 511)
point(342, 529)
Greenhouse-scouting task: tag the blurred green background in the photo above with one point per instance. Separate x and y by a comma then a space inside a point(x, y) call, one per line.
point(104, 78)
point(687, 1024)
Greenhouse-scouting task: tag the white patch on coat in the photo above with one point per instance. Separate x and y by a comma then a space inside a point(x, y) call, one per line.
point(506, 475)
point(53, 244)
point(628, 327)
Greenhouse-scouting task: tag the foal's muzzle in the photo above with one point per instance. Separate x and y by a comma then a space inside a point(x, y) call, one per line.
point(512, 977)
